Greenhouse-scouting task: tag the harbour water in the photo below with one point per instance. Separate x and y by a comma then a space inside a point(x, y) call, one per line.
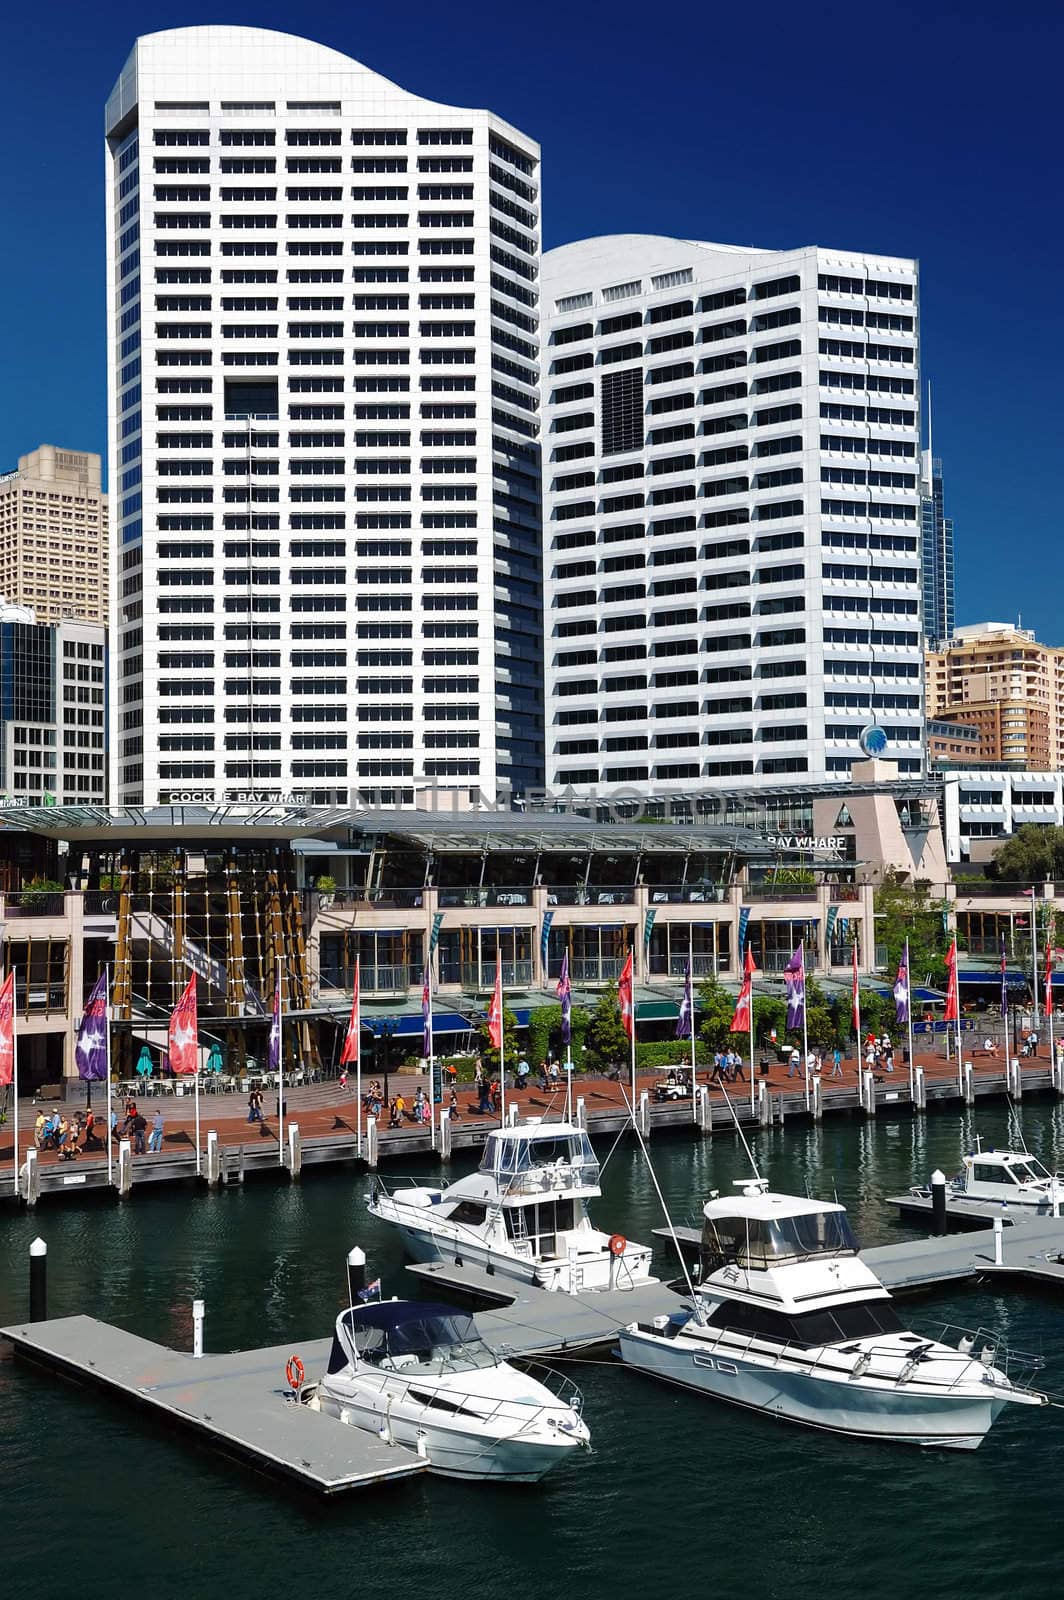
point(680, 1495)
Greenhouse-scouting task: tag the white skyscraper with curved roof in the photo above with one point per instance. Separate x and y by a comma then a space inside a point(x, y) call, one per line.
point(323, 394)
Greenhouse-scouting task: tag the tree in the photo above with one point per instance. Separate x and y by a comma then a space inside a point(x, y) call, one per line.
point(716, 1008)
point(820, 1023)
point(605, 1031)
point(906, 911)
point(545, 1033)
point(1033, 854)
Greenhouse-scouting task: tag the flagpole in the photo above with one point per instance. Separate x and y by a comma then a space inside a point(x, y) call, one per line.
point(857, 1007)
point(432, 1062)
point(909, 1014)
point(753, 1102)
point(502, 1045)
point(1034, 956)
point(357, 1021)
point(691, 981)
point(280, 1070)
point(14, 1065)
point(107, 1060)
point(957, 992)
point(805, 1033)
point(631, 1036)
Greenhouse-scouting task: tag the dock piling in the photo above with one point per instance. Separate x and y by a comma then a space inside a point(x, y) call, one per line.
point(214, 1159)
point(999, 1241)
point(764, 1107)
point(969, 1085)
point(818, 1099)
point(197, 1328)
point(356, 1273)
point(38, 1281)
point(868, 1092)
point(30, 1178)
point(445, 1134)
point(295, 1150)
point(938, 1203)
point(581, 1112)
point(124, 1181)
point(644, 1114)
point(371, 1142)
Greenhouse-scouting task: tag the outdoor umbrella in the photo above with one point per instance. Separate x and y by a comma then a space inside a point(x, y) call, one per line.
point(216, 1061)
point(144, 1062)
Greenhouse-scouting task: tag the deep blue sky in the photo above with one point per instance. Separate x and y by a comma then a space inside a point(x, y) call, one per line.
point(918, 128)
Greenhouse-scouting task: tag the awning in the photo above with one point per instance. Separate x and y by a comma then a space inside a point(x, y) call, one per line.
point(657, 1011)
point(1013, 980)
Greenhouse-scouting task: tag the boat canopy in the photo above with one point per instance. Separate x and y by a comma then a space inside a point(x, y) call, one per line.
point(539, 1147)
point(425, 1333)
point(762, 1242)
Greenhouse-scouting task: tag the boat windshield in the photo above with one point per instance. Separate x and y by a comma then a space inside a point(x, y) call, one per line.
point(509, 1158)
point(1029, 1171)
point(772, 1241)
point(402, 1337)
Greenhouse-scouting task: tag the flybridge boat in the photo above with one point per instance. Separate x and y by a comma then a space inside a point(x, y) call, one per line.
point(787, 1319)
point(523, 1213)
point(418, 1374)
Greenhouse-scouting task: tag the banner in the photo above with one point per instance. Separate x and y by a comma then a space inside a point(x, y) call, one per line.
point(495, 1012)
point(184, 1033)
point(625, 998)
point(351, 1040)
point(273, 1060)
point(426, 1013)
point(544, 938)
point(565, 995)
point(90, 1050)
point(7, 1035)
point(648, 928)
point(434, 937)
point(741, 1021)
point(794, 984)
point(901, 990)
point(953, 1010)
point(829, 927)
point(686, 1020)
point(744, 922)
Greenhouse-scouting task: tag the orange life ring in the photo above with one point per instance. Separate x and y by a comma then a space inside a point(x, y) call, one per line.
point(295, 1372)
point(618, 1244)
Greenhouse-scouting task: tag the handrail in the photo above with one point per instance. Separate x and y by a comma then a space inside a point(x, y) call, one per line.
point(497, 1404)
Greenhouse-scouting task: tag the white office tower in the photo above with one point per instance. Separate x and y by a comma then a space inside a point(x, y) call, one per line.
point(324, 442)
point(732, 528)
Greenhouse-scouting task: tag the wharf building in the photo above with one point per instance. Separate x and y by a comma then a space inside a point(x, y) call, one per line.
point(732, 546)
point(236, 893)
point(323, 358)
point(54, 544)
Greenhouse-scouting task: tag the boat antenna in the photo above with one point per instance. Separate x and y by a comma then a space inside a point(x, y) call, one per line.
point(699, 1313)
point(739, 1131)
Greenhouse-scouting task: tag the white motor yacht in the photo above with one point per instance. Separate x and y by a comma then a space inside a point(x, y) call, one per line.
point(419, 1374)
point(787, 1319)
point(1007, 1178)
point(523, 1213)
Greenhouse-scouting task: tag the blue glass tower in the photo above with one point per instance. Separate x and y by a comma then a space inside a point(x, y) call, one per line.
point(940, 600)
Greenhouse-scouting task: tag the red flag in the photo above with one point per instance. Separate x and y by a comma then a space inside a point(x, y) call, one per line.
point(740, 1022)
point(7, 1030)
point(184, 1033)
point(856, 1000)
point(624, 996)
point(953, 1010)
point(1049, 980)
point(495, 1016)
point(350, 1049)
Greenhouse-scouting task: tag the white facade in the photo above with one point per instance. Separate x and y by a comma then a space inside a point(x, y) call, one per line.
point(323, 393)
point(53, 717)
point(732, 527)
point(984, 804)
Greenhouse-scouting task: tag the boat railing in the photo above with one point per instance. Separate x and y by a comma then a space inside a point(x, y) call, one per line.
point(891, 1363)
point(565, 1399)
point(983, 1344)
point(457, 1231)
point(552, 1175)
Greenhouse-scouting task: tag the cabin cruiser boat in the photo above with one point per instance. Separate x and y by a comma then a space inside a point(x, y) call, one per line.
point(787, 1319)
point(419, 1374)
point(523, 1214)
point(1008, 1178)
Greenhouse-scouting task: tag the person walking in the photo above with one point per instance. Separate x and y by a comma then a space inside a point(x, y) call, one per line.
point(522, 1075)
point(140, 1125)
point(836, 1063)
point(795, 1061)
point(155, 1143)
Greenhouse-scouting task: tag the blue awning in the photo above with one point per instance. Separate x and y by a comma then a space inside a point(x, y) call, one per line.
point(442, 1022)
point(992, 975)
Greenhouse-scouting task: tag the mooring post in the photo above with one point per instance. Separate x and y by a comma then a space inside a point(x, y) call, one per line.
point(197, 1328)
point(1015, 1079)
point(999, 1241)
point(356, 1274)
point(214, 1158)
point(919, 1089)
point(764, 1107)
point(782, 1110)
point(513, 1111)
point(125, 1166)
point(581, 1112)
point(938, 1203)
point(705, 1109)
point(969, 1085)
point(445, 1134)
point(38, 1281)
point(869, 1094)
point(30, 1178)
point(818, 1098)
point(295, 1150)
point(644, 1113)
point(371, 1141)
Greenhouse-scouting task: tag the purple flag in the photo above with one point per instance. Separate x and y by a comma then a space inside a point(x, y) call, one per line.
point(685, 1021)
point(565, 995)
point(275, 1030)
point(90, 1051)
point(901, 990)
point(426, 1014)
point(794, 982)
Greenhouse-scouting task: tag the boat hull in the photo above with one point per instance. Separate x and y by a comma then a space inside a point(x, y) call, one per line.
point(594, 1272)
point(452, 1452)
point(958, 1422)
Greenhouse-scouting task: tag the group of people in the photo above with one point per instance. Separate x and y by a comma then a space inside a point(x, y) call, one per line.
point(727, 1067)
point(70, 1137)
point(814, 1063)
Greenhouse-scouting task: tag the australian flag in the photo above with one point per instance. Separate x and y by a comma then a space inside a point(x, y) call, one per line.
point(685, 1021)
point(372, 1291)
point(90, 1051)
point(565, 995)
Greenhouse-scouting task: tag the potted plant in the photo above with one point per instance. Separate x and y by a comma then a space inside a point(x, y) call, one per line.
point(325, 885)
